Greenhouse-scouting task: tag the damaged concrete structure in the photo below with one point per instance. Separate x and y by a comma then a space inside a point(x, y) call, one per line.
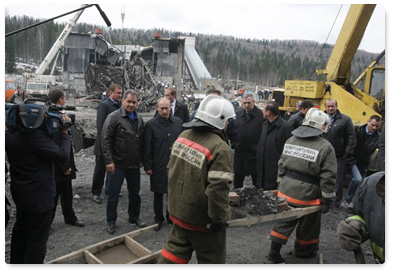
point(91, 64)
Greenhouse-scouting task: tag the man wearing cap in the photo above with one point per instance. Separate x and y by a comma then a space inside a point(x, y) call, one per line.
point(307, 177)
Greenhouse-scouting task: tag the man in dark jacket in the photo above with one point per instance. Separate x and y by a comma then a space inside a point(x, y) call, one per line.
point(112, 103)
point(122, 146)
point(341, 135)
point(65, 172)
point(179, 109)
point(31, 157)
point(160, 134)
point(275, 132)
point(297, 119)
point(249, 122)
point(367, 142)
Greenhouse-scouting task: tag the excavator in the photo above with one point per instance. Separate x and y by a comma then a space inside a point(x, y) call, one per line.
point(359, 99)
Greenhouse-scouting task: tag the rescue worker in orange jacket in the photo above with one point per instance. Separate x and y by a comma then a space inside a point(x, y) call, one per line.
point(200, 175)
point(307, 177)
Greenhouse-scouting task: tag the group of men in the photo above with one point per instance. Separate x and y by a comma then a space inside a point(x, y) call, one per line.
point(191, 161)
point(309, 168)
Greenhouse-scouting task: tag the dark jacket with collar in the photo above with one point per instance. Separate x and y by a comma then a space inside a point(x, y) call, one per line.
point(103, 110)
point(159, 136)
point(270, 147)
point(296, 120)
point(341, 135)
point(246, 143)
point(32, 158)
point(122, 140)
point(62, 167)
point(365, 147)
point(181, 111)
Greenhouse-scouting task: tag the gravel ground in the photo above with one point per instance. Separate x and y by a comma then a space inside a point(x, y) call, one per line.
point(244, 245)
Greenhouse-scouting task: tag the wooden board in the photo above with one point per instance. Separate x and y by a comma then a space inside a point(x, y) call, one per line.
point(292, 213)
point(121, 249)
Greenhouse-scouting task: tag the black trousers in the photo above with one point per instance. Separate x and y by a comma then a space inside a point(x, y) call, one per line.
point(158, 208)
point(65, 192)
point(99, 175)
point(29, 237)
point(340, 178)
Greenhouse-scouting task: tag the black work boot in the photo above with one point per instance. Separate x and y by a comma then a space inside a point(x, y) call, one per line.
point(274, 253)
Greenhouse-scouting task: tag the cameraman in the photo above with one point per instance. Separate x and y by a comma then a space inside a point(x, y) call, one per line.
point(64, 171)
point(31, 156)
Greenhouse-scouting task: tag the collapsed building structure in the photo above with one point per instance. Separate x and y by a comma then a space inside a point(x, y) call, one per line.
point(91, 65)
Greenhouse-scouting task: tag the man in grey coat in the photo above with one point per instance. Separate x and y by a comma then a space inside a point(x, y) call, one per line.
point(159, 136)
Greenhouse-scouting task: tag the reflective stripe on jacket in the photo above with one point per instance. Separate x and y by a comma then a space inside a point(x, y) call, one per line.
point(309, 157)
point(200, 175)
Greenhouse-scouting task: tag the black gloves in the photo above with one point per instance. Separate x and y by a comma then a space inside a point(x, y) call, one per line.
point(217, 227)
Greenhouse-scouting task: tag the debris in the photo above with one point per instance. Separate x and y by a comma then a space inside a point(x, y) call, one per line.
point(255, 201)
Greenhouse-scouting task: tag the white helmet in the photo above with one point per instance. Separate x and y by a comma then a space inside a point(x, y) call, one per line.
point(315, 123)
point(317, 119)
point(215, 111)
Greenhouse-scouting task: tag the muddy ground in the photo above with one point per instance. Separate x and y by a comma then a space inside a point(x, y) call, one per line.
point(244, 245)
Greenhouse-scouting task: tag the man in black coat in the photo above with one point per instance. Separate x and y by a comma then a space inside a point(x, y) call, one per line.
point(112, 103)
point(367, 142)
point(31, 157)
point(178, 109)
point(297, 119)
point(341, 135)
point(65, 172)
point(275, 132)
point(160, 134)
point(249, 128)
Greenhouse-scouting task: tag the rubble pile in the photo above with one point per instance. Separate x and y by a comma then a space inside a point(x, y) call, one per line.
point(135, 74)
point(255, 201)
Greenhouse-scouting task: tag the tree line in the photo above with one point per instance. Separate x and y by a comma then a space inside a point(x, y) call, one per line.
point(261, 62)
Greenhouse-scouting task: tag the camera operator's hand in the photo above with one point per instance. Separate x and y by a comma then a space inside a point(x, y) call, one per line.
point(62, 128)
point(68, 172)
point(110, 168)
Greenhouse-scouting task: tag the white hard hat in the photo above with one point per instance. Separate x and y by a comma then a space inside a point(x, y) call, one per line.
point(317, 119)
point(215, 111)
point(315, 123)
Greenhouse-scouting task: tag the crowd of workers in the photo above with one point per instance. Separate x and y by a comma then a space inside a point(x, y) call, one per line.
point(194, 159)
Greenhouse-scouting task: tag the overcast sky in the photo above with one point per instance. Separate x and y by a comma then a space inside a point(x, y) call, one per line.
point(243, 19)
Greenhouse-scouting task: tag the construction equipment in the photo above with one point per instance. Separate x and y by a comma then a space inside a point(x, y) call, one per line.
point(37, 83)
point(10, 88)
point(358, 100)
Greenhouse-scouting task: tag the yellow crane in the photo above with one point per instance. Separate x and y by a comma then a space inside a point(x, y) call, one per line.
point(359, 99)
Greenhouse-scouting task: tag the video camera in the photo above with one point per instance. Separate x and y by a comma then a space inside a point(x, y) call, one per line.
point(59, 110)
point(32, 113)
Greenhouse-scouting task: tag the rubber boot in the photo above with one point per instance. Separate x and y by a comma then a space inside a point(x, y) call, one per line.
point(274, 253)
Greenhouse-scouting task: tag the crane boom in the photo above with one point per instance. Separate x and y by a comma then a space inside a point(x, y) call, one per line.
point(339, 63)
point(59, 43)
